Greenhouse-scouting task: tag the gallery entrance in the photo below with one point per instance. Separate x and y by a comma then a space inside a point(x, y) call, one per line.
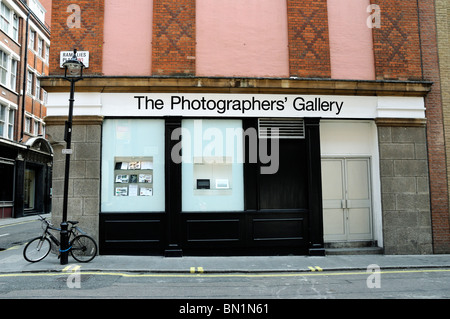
point(227, 187)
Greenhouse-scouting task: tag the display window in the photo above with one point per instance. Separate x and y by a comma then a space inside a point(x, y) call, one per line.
point(133, 165)
point(212, 165)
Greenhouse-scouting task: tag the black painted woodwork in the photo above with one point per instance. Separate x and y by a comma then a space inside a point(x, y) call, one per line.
point(282, 213)
point(132, 233)
point(172, 191)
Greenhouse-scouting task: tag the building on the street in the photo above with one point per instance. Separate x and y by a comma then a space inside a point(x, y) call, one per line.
point(442, 221)
point(251, 127)
point(25, 155)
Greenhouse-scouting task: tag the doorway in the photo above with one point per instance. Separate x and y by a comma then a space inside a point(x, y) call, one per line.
point(29, 192)
point(347, 202)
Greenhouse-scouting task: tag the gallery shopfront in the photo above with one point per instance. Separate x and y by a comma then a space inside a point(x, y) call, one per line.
point(237, 173)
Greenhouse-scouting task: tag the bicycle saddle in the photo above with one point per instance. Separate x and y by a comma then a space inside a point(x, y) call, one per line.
point(73, 222)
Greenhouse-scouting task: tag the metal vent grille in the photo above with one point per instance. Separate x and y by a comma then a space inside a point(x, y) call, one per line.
point(281, 128)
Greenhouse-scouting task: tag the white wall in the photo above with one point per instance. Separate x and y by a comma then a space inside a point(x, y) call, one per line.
point(356, 138)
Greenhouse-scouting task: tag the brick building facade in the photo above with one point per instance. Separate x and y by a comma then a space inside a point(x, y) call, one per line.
point(26, 156)
point(358, 78)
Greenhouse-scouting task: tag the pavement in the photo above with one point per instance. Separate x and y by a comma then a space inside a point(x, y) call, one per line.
point(12, 261)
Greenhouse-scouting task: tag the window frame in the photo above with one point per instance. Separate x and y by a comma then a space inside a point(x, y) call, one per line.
point(35, 127)
point(47, 53)
point(5, 18)
point(4, 67)
point(9, 21)
point(10, 125)
point(40, 47)
point(30, 80)
point(15, 27)
point(38, 89)
point(3, 121)
point(7, 119)
point(27, 128)
point(32, 43)
point(13, 74)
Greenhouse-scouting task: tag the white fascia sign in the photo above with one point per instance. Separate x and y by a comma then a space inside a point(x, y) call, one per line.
point(238, 105)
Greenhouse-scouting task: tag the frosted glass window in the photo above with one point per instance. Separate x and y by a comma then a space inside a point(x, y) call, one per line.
point(212, 166)
point(128, 142)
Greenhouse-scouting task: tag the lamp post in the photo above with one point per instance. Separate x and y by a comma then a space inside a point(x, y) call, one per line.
point(73, 72)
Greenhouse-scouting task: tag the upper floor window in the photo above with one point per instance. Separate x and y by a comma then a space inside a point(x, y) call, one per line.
point(9, 22)
point(38, 89)
point(13, 74)
point(38, 9)
point(7, 115)
point(44, 97)
point(5, 16)
point(3, 109)
point(30, 83)
point(32, 40)
point(8, 71)
point(35, 127)
point(3, 68)
point(15, 27)
point(41, 47)
point(12, 115)
point(47, 53)
point(27, 124)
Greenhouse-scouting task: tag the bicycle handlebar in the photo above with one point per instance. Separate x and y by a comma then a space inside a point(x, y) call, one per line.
point(51, 226)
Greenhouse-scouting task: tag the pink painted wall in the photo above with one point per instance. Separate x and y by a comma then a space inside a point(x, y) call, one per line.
point(127, 48)
point(351, 45)
point(242, 38)
point(48, 15)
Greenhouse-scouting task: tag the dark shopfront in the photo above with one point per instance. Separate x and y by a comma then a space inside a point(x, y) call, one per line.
point(26, 177)
point(208, 201)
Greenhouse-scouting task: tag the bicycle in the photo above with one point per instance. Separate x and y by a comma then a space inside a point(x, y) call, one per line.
point(82, 247)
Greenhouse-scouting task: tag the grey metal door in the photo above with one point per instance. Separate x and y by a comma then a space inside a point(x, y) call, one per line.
point(347, 204)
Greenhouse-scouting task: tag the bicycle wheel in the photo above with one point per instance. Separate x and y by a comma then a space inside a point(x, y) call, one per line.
point(84, 248)
point(37, 249)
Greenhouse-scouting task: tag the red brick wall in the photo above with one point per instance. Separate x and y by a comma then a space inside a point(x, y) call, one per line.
point(87, 37)
point(396, 43)
point(309, 49)
point(435, 131)
point(173, 50)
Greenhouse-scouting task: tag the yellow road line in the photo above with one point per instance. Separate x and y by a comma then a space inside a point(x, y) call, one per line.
point(71, 268)
point(19, 223)
point(199, 269)
point(299, 274)
point(66, 268)
point(13, 247)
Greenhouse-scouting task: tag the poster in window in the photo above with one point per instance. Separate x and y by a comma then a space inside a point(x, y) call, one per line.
point(133, 176)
